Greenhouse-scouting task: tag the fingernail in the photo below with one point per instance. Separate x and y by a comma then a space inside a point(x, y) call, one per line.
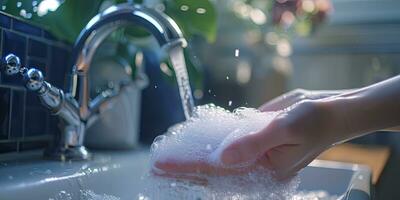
point(157, 171)
point(230, 157)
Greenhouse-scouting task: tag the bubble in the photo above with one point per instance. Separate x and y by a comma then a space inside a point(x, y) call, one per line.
point(90, 195)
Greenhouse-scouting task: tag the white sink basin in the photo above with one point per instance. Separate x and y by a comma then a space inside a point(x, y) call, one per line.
point(117, 174)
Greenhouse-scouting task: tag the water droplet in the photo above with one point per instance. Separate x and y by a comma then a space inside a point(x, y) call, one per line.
point(19, 4)
point(142, 197)
point(227, 77)
point(229, 103)
point(209, 91)
point(29, 15)
point(160, 7)
point(237, 52)
point(34, 3)
point(155, 86)
point(184, 8)
point(3, 7)
point(201, 10)
point(22, 12)
point(198, 94)
point(173, 184)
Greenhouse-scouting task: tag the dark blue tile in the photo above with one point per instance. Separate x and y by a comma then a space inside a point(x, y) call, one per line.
point(49, 36)
point(4, 112)
point(59, 66)
point(37, 49)
point(8, 147)
point(17, 113)
point(32, 100)
point(5, 21)
point(11, 80)
point(53, 126)
point(28, 145)
point(26, 28)
point(35, 122)
point(16, 44)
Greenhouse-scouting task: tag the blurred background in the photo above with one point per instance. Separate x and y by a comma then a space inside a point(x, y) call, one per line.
point(243, 52)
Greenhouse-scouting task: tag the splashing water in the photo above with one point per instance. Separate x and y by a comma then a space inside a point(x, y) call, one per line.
point(178, 63)
point(84, 195)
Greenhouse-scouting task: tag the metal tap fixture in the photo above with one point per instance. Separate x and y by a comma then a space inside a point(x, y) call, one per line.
point(63, 105)
point(162, 27)
point(74, 106)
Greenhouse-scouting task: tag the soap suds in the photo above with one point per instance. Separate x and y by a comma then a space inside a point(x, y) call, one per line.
point(202, 138)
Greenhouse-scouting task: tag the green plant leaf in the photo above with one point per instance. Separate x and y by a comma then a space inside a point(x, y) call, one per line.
point(66, 22)
point(195, 17)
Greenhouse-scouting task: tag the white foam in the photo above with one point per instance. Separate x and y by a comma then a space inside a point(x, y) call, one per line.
point(202, 138)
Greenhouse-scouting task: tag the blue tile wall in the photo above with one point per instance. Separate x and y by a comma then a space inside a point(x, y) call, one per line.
point(4, 112)
point(24, 123)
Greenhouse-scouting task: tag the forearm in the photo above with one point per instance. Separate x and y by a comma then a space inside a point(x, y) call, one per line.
point(368, 109)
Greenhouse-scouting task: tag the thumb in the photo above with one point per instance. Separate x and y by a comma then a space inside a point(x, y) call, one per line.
point(250, 147)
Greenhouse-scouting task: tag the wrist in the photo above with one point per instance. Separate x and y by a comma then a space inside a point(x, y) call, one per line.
point(355, 113)
point(339, 119)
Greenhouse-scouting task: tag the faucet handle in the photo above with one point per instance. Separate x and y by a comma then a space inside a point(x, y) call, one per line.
point(12, 65)
point(53, 98)
point(33, 79)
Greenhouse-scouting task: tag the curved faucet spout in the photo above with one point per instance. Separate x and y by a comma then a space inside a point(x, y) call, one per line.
point(163, 28)
point(73, 106)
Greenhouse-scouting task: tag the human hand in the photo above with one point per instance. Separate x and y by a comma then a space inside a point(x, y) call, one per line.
point(291, 141)
point(182, 169)
point(308, 124)
point(285, 100)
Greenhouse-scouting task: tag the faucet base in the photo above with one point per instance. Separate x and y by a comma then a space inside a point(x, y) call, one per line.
point(66, 154)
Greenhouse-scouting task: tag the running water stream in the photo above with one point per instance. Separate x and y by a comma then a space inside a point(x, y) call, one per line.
point(178, 62)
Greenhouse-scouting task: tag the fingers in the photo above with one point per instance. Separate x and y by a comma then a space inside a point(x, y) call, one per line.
point(290, 161)
point(197, 178)
point(186, 177)
point(276, 104)
point(284, 101)
point(252, 146)
point(183, 167)
point(195, 167)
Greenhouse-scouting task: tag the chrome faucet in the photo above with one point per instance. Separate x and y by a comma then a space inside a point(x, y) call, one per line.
point(74, 106)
